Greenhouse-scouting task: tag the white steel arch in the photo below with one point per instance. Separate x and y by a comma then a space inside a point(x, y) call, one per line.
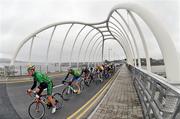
point(163, 38)
point(148, 65)
point(82, 45)
point(75, 43)
point(124, 39)
point(126, 35)
point(42, 29)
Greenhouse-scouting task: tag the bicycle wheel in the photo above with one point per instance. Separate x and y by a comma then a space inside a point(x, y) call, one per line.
point(59, 100)
point(91, 80)
point(36, 110)
point(98, 80)
point(87, 82)
point(66, 93)
point(82, 85)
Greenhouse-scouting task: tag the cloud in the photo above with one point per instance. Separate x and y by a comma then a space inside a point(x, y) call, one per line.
point(21, 18)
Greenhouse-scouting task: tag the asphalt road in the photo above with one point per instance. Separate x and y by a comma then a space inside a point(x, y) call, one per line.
point(20, 101)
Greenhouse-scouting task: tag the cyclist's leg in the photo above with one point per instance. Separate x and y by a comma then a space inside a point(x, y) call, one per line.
point(100, 75)
point(40, 88)
point(86, 76)
point(78, 85)
point(87, 79)
point(91, 77)
point(49, 93)
point(76, 81)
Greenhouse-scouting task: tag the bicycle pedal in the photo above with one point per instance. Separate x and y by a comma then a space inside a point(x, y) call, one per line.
point(59, 107)
point(49, 106)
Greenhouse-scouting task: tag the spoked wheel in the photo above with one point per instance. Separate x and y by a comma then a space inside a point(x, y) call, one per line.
point(91, 81)
point(82, 84)
point(58, 100)
point(36, 110)
point(98, 81)
point(66, 93)
point(87, 82)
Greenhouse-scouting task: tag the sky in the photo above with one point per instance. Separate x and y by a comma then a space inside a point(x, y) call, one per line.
point(19, 18)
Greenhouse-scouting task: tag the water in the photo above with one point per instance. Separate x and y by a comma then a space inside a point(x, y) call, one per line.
point(160, 70)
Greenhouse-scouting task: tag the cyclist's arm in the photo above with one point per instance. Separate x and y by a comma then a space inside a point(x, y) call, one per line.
point(82, 72)
point(34, 84)
point(66, 76)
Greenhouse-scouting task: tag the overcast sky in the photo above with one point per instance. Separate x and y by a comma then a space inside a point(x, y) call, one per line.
point(19, 18)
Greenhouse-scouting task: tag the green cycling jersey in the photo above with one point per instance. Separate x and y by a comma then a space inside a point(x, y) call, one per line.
point(41, 77)
point(75, 73)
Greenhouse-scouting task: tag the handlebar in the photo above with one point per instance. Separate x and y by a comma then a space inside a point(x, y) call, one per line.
point(33, 94)
point(66, 82)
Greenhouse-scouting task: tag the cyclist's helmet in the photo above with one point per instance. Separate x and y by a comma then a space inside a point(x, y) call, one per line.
point(70, 69)
point(31, 67)
point(86, 68)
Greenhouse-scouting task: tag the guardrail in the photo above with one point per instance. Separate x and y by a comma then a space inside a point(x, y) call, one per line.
point(2, 73)
point(159, 99)
point(21, 69)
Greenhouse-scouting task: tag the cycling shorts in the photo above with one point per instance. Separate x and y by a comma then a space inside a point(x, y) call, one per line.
point(44, 85)
point(76, 79)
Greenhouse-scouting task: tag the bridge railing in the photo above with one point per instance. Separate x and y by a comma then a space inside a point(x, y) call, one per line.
point(159, 99)
point(21, 69)
point(2, 72)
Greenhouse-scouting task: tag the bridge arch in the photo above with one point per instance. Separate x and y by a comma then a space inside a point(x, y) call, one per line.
point(163, 39)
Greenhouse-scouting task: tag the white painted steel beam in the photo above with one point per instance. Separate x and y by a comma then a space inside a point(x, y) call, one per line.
point(163, 38)
point(148, 65)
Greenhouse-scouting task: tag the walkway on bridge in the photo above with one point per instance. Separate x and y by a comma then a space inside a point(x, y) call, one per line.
point(121, 101)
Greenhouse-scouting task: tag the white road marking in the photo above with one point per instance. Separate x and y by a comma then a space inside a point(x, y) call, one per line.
point(56, 86)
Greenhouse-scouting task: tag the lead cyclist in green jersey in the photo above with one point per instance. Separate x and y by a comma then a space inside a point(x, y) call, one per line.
point(44, 82)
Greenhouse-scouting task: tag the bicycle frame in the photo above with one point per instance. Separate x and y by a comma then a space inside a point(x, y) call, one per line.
point(70, 87)
point(40, 102)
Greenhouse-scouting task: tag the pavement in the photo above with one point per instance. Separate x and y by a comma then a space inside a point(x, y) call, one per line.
point(121, 101)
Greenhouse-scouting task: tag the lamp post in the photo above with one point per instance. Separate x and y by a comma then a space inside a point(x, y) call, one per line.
point(109, 49)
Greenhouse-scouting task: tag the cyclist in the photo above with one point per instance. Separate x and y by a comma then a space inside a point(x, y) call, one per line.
point(99, 70)
point(91, 73)
point(76, 79)
point(44, 82)
point(85, 72)
point(106, 73)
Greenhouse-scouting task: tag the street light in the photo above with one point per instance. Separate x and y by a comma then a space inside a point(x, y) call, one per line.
point(109, 49)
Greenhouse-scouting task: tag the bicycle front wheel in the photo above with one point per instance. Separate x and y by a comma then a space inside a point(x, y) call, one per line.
point(36, 110)
point(66, 93)
point(82, 85)
point(58, 100)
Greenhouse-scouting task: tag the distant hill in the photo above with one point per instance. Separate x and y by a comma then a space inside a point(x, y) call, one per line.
point(143, 61)
point(4, 60)
point(153, 62)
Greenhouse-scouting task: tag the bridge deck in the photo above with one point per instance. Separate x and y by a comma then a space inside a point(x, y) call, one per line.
point(121, 101)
